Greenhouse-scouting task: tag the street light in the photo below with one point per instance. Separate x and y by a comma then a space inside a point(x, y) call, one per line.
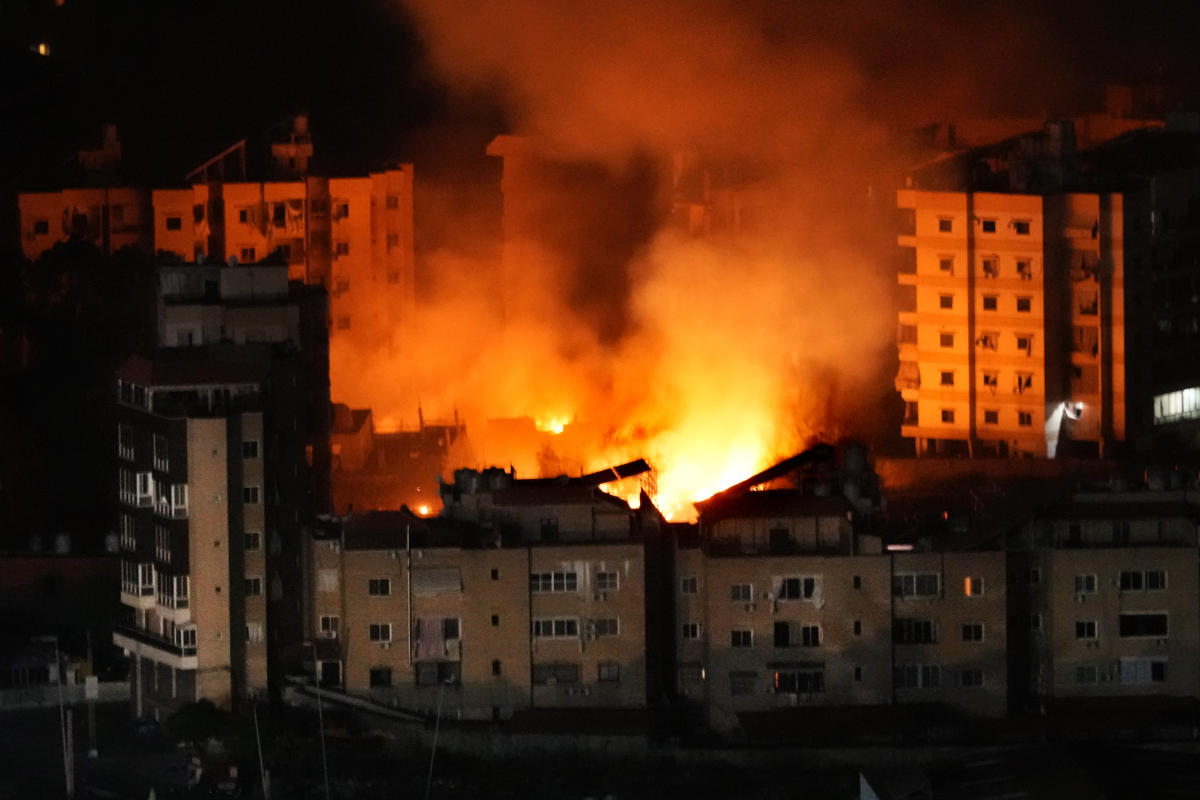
point(320, 714)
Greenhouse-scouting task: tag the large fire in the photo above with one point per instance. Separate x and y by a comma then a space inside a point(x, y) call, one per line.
point(687, 268)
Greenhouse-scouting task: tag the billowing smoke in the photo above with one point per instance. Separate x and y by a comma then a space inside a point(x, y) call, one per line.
point(698, 264)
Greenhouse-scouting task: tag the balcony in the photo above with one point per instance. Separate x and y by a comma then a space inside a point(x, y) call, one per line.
point(135, 641)
point(135, 596)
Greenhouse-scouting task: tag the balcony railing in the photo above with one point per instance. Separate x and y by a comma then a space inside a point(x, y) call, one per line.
point(154, 640)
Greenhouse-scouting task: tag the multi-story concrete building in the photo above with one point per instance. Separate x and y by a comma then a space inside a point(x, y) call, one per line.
point(1034, 276)
point(1105, 593)
point(523, 595)
point(223, 444)
point(110, 218)
point(1012, 331)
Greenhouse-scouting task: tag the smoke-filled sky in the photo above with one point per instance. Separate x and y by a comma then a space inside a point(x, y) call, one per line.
point(710, 355)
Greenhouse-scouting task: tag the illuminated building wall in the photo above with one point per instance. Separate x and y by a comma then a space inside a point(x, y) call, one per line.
point(109, 218)
point(1011, 330)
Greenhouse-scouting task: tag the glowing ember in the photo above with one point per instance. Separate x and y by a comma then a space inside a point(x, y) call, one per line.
point(423, 510)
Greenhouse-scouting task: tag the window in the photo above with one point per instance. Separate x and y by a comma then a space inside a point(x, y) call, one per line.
point(991, 380)
point(174, 223)
point(1025, 344)
point(800, 681)
point(687, 586)
point(451, 628)
point(945, 301)
point(1156, 580)
point(1085, 629)
point(496, 667)
point(972, 632)
point(989, 226)
point(1024, 419)
point(1021, 226)
point(946, 264)
point(991, 416)
point(991, 267)
point(742, 683)
point(608, 672)
point(393, 277)
point(437, 673)
point(393, 241)
point(606, 582)
point(1143, 670)
point(250, 495)
point(179, 500)
point(1120, 535)
point(561, 628)
point(1024, 304)
point(608, 627)
point(128, 532)
point(393, 202)
point(495, 620)
point(341, 209)
point(948, 415)
point(185, 638)
point(41, 227)
point(380, 677)
point(1086, 673)
point(341, 287)
point(495, 574)
point(990, 302)
point(945, 225)
point(946, 377)
point(125, 441)
point(914, 631)
point(857, 581)
point(1035, 576)
point(1085, 584)
point(252, 540)
point(741, 638)
point(254, 632)
point(341, 249)
point(1131, 626)
point(329, 626)
point(553, 582)
point(970, 678)
point(857, 674)
point(916, 584)
point(973, 587)
point(379, 631)
point(799, 588)
point(250, 449)
point(379, 587)
point(546, 674)
point(741, 593)
point(162, 543)
point(243, 215)
point(1033, 623)
point(917, 676)
point(253, 586)
point(946, 339)
point(247, 255)
point(1131, 581)
point(858, 627)
point(690, 630)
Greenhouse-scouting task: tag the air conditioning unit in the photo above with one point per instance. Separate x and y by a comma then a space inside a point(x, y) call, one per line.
point(385, 645)
point(750, 607)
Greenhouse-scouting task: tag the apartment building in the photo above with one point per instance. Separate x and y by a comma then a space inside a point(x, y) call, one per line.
point(1105, 599)
point(523, 595)
point(949, 629)
point(213, 485)
point(1012, 325)
point(1049, 294)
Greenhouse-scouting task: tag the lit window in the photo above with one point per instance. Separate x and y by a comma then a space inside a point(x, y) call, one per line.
point(973, 587)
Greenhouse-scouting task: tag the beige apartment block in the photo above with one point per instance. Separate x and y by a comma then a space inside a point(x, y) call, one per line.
point(1011, 329)
point(949, 630)
point(1110, 607)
